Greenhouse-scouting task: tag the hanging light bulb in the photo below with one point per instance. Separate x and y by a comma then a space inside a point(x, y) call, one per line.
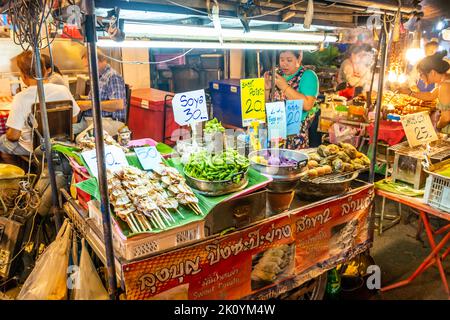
point(392, 76)
point(401, 78)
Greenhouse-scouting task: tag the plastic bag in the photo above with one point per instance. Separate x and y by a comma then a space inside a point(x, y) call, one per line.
point(89, 285)
point(48, 280)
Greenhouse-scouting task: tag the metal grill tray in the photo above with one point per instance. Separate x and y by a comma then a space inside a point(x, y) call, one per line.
point(440, 150)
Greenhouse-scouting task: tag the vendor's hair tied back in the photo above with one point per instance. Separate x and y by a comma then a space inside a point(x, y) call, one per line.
point(434, 62)
point(441, 54)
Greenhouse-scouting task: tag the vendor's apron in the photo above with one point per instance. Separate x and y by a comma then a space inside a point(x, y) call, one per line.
point(301, 140)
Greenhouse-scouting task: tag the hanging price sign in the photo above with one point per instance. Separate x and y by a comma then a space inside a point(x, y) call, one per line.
point(252, 101)
point(190, 107)
point(115, 159)
point(294, 111)
point(149, 157)
point(276, 120)
point(418, 128)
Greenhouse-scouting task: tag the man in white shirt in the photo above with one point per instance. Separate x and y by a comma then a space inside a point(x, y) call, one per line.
point(17, 140)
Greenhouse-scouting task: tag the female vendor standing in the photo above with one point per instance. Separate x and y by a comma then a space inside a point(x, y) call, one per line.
point(433, 70)
point(294, 82)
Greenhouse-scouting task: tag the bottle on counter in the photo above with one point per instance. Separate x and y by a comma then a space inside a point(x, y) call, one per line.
point(333, 288)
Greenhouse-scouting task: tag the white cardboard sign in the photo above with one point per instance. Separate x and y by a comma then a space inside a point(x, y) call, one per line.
point(190, 107)
point(149, 157)
point(115, 159)
point(276, 120)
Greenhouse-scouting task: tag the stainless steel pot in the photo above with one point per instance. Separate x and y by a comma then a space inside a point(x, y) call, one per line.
point(285, 178)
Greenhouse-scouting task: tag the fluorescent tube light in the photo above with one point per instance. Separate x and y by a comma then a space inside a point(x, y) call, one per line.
point(107, 43)
point(189, 32)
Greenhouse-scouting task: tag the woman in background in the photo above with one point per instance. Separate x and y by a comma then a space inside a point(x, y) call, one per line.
point(355, 71)
point(433, 70)
point(294, 82)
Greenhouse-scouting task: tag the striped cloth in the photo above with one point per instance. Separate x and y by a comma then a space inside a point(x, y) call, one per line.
point(3, 117)
point(111, 86)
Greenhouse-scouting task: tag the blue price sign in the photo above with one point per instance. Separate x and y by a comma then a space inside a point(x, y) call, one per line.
point(149, 157)
point(294, 110)
point(190, 107)
point(276, 120)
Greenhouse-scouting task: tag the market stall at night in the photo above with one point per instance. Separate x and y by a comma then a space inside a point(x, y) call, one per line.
point(221, 150)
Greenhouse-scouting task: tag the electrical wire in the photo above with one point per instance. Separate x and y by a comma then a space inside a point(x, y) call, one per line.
point(28, 17)
point(149, 62)
point(187, 7)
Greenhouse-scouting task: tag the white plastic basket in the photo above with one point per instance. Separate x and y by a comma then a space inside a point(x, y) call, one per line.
point(143, 245)
point(437, 191)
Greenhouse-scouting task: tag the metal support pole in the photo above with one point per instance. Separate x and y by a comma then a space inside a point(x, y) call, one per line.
point(274, 65)
point(100, 147)
point(378, 104)
point(47, 145)
point(258, 62)
point(374, 69)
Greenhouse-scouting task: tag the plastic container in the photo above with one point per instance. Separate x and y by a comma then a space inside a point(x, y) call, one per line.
point(356, 113)
point(437, 189)
point(212, 61)
point(145, 244)
point(159, 57)
point(341, 112)
point(147, 115)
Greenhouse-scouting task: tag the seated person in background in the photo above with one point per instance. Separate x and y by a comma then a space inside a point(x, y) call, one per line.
point(355, 71)
point(112, 97)
point(17, 140)
point(55, 75)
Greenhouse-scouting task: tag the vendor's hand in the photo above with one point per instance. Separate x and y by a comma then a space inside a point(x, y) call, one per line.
point(281, 82)
point(267, 80)
point(84, 104)
point(404, 90)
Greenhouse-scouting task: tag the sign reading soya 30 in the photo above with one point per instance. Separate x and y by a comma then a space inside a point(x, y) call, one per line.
point(190, 107)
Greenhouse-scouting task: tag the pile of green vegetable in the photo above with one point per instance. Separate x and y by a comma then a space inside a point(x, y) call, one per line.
point(213, 126)
point(398, 188)
point(220, 167)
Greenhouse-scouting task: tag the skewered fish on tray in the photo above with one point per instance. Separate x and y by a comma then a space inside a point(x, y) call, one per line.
point(148, 200)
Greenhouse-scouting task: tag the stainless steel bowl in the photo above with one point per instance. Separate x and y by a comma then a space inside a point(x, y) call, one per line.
point(218, 188)
point(285, 178)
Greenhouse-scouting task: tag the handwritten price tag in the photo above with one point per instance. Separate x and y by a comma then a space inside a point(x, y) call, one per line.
point(276, 120)
point(149, 157)
point(418, 128)
point(190, 107)
point(294, 111)
point(115, 159)
point(252, 101)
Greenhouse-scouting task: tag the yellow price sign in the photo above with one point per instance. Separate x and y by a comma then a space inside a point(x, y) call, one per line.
point(252, 101)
